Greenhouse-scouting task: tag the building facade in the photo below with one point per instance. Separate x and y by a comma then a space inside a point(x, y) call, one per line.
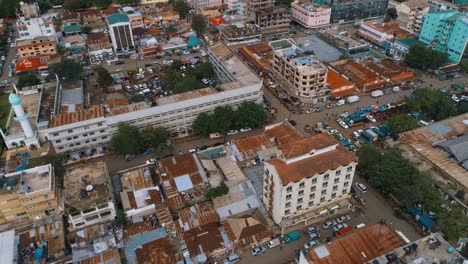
point(344, 11)
point(440, 5)
point(309, 174)
point(27, 196)
point(274, 20)
point(446, 31)
point(303, 75)
point(202, 4)
point(34, 27)
point(35, 47)
point(120, 31)
point(310, 15)
point(253, 6)
point(413, 13)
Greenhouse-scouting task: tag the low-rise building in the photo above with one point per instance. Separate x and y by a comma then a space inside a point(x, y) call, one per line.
point(339, 85)
point(412, 14)
point(35, 47)
point(441, 5)
point(28, 196)
point(88, 195)
point(98, 42)
point(87, 17)
point(343, 40)
point(309, 176)
point(378, 31)
point(245, 231)
point(301, 73)
point(257, 56)
point(204, 242)
point(237, 34)
point(273, 21)
point(202, 4)
point(134, 15)
point(365, 79)
point(309, 14)
point(44, 242)
point(392, 72)
point(355, 10)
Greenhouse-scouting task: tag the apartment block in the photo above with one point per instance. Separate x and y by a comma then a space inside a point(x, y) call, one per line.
point(35, 47)
point(120, 31)
point(309, 14)
point(446, 31)
point(273, 20)
point(253, 6)
point(378, 32)
point(134, 15)
point(27, 196)
point(441, 5)
point(202, 4)
point(303, 76)
point(412, 13)
point(308, 174)
point(88, 195)
point(30, 24)
point(345, 11)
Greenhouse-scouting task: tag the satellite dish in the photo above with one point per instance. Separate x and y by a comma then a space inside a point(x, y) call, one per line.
point(89, 188)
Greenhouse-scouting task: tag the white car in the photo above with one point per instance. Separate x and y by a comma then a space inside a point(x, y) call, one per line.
point(332, 131)
point(309, 111)
point(120, 69)
point(357, 133)
point(245, 129)
point(151, 161)
point(232, 132)
point(329, 224)
point(185, 52)
point(339, 226)
point(361, 187)
point(310, 244)
point(455, 98)
point(343, 124)
point(343, 218)
point(340, 102)
point(371, 118)
point(205, 81)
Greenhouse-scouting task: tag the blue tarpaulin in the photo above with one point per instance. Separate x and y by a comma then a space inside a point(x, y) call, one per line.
point(194, 41)
point(421, 217)
point(38, 253)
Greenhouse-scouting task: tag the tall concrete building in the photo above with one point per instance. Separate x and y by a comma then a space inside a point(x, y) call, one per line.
point(412, 14)
point(344, 11)
point(120, 31)
point(301, 74)
point(309, 177)
point(30, 24)
point(253, 6)
point(446, 31)
point(27, 196)
point(309, 14)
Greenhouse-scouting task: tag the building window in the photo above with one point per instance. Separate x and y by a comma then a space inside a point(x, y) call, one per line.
point(313, 188)
point(324, 192)
point(312, 196)
point(344, 191)
point(55, 134)
point(58, 141)
point(346, 184)
point(335, 188)
point(322, 199)
point(299, 200)
point(99, 124)
point(288, 204)
point(299, 207)
point(286, 212)
point(75, 137)
point(289, 189)
point(301, 192)
point(311, 203)
point(326, 177)
point(301, 185)
point(350, 168)
point(333, 195)
point(348, 176)
point(325, 184)
point(70, 131)
point(338, 172)
point(336, 180)
point(314, 180)
point(288, 197)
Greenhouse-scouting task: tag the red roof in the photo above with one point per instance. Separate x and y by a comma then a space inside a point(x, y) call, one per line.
point(30, 64)
point(216, 21)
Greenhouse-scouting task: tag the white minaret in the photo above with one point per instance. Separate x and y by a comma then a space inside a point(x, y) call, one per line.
point(21, 116)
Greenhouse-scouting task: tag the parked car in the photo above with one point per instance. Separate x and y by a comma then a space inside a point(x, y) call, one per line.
point(310, 244)
point(274, 242)
point(361, 187)
point(292, 236)
point(257, 251)
point(151, 161)
point(313, 236)
point(129, 156)
point(371, 118)
point(343, 124)
point(312, 229)
point(339, 226)
point(232, 132)
point(343, 218)
point(309, 111)
point(245, 129)
point(329, 224)
point(340, 102)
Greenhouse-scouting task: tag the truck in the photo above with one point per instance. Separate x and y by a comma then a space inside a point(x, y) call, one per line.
point(369, 136)
point(274, 242)
point(354, 120)
point(376, 93)
point(378, 132)
point(352, 99)
point(292, 236)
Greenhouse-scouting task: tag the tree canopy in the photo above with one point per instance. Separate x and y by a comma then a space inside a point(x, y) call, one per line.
point(425, 58)
point(67, 70)
point(181, 7)
point(104, 79)
point(223, 119)
point(401, 123)
point(432, 102)
point(284, 2)
point(391, 13)
point(176, 82)
point(221, 190)
point(28, 80)
point(198, 23)
point(127, 140)
point(157, 136)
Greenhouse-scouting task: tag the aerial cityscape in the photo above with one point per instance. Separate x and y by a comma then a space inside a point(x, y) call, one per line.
point(234, 131)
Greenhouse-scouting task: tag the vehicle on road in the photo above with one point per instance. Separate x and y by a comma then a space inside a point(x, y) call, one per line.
point(232, 132)
point(310, 111)
point(312, 229)
point(245, 129)
point(129, 156)
point(231, 259)
point(361, 187)
point(340, 102)
point(343, 124)
point(151, 161)
point(329, 224)
point(193, 150)
point(120, 69)
point(343, 218)
point(310, 244)
point(274, 242)
point(455, 98)
point(215, 135)
point(339, 226)
point(352, 99)
point(292, 236)
point(257, 251)
point(377, 93)
point(371, 118)
point(313, 236)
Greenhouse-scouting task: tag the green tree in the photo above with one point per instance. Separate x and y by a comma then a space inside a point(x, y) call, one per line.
point(401, 123)
point(9, 7)
point(28, 80)
point(158, 136)
point(135, 98)
point(454, 224)
point(86, 29)
point(198, 23)
point(44, 5)
point(72, 4)
point(221, 190)
point(425, 58)
point(434, 103)
point(369, 157)
point(104, 78)
point(182, 8)
point(250, 114)
point(169, 78)
point(121, 216)
point(223, 117)
point(391, 13)
point(187, 83)
point(202, 70)
point(203, 124)
point(284, 2)
point(67, 70)
point(176, 64)
point(102, 3)
point(127, 140)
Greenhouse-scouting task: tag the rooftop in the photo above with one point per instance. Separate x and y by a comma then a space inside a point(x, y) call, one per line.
point(458, 147)
point(31, 105)
point(321, 49)
point(197, 215)
point(203, 239)
point(389, 69)
point(7, 246)
point(123, 109)
point(238, 192)
point(179, 165)
point(52, 232)
point(249, 146)
point(230, 169)
point(28, 181)
point(25, 42)
point(306, 145)
point(185, 96)
point(310, 6)
point(304, 60)
point(156, 251)
point(308, 167)
point(73, 117)
point(408, 42)
point(282, 133)
point(246, 230)
point(77, 178)
point(117, 18)
point(336, 81)
point(360, 246)
point(111, 257)
point(136, 242)
point(415, 4)
point(358, 73)
point(136, 178)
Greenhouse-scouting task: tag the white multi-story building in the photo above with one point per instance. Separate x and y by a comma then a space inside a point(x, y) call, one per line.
point(412, 13)
point(301, 74)
point(93, 127)
point(120, 31)
point(201, 4)
point(309, 177)
point(30, 24)
point(309, 14)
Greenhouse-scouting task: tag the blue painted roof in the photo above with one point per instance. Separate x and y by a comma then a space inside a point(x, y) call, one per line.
point(141, 239)
point(14, 99)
